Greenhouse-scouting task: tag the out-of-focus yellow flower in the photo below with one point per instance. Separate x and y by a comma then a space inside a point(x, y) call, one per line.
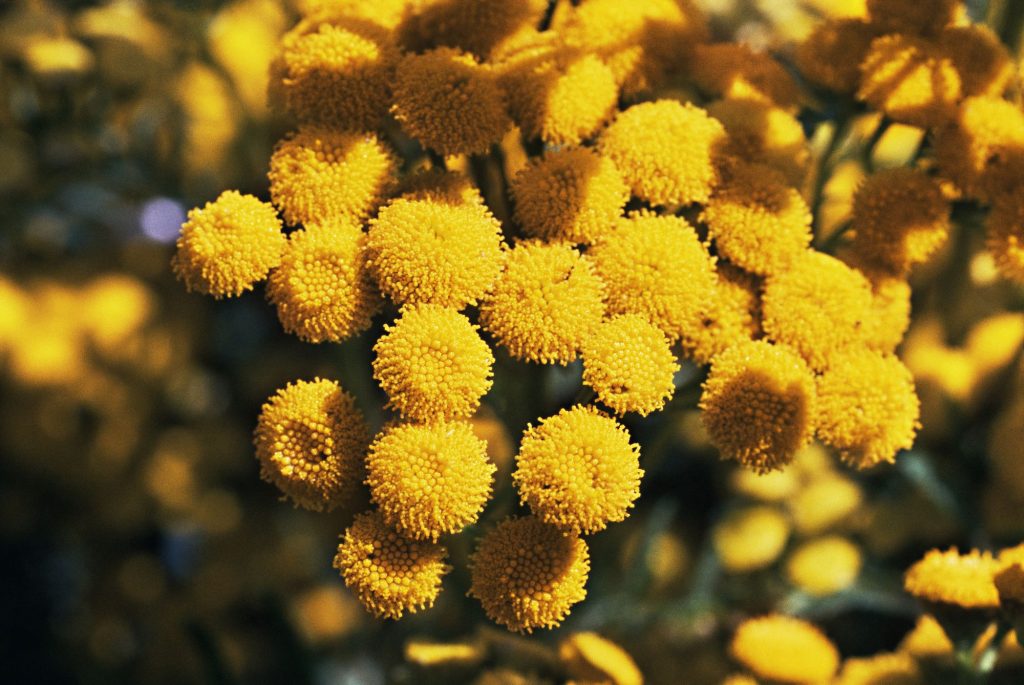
point(57, 57)
point(912, 16)
point(1004, 235)
point(750, 539)
point(243, 39)
point(762, 133)
point(889, 316)
point(830, 57)
point(732, 314)
point(475, 26)
point(824, 565)
point(994, 341)
point(326, 613)
point(592, 658)
point(773, 486)
point(734, 70)
point(884, 668)
point(14, 312)
point(927, 640)
point(823, 503)
point(113, 308)
point(785, 649)
point(444, 654)
point(982, 61)
point(210, 117)
point(951, 578)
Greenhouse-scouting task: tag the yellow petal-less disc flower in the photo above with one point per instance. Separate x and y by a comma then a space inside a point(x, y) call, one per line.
point(320, 175)
point(546, 303)
point(433, 364)
point(322, 289)
point(228, 245)
point(527, 574)
point(762, 133)
point(731, 315)
point(439, 185)
point(889, 317)
point(666, 151)
point(629, 363)
point(867, 407)
point(578, 470)
point(311, 441)
point(751, 538)
point(758, 404)
point(429, 479)
point(1004, 235)
point(432, 250)
point(984, 65)
point(475, 26)
point(884, 668)
point(824, 503)
point(912, 16)
point(951, 578)
point(825, 565)
point(927, 640)
point(391, 575)
point(830, 56)
point(589, 657)
point(734, 70)
point(785, 649)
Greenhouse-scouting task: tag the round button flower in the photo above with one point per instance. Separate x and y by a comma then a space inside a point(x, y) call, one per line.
point(731, 315)
point(750, 539)
point(761, 133)
point(734, 70)
point(825, 565)
point(830, 56)
point(785, 649)
point(951, 578)
point(983, 62)
point(476, 26)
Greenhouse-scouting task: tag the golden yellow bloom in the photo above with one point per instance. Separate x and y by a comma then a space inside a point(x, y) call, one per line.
point(823, 503)
point(825, 565)
point(322, 289)
point(434, 251)
point(546, 303)
point(228, 245)
point(113, 309)
point(773, 486)
point(750, 539)
point(732, 314)
point(440, 185)
point(912, 16)
point(867, 407)
point(909, 79)
point(591, 658)
point(578, 470)
point(733, 70)
point(475, 26)
point(659, 270)
point(951, 578)
point(629, 363)
point(569, 194)
point(449, 102)
point(830, 56)
point(889, 315)
point(762, 133)
point(884, 668)
point(429, 479)
point(994, 341)
point(311, 441)
point(982, 61)
point(666, 151)
point(390, 574)
point(758, 404)
point(1004, 235)
point(527, 574)
point(320, 176)
point(785, 649)
point(927, 640)
point(433, 364)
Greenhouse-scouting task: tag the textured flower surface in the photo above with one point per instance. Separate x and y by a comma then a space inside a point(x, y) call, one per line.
point(963, 580)
point(785, 649)
point(733, 70)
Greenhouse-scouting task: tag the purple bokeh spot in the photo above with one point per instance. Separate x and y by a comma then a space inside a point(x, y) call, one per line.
point(161, 219)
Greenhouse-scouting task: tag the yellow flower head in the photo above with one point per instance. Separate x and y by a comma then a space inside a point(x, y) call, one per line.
point(589, 657)
point(785, 649)
point(311, 441)
point(733, 70)
point(884, 668)
point(1004, 235)
point(823, 503)
point(322, 289)
point(818, 306)
point(527, 573)
point(951, 578)
point(900, 218)
point(228, 245)
point(830, 56)
point(475, 26)
point(439, 185)
point(666, 151)
point(750, 539)
point(912, 16)
point(825, 565)
point(890, 310)
point(319, 175)
point(867, 406)
point(732, 315)
point(762, 133)
point(546, 303)
point(387, 14)
point(629, 363)
point(449, 102)
point(982, 61)
point(429, 479)
point(927, 640)
point(432, 250)
point(909, 79)
point(758, 404)
point(390, 574)
point(578, 470)
point(433, 364)
point(570, 194)
point(659, 270)
point(757, 221)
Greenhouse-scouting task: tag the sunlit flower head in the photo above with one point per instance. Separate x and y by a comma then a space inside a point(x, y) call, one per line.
point(984, 64)
point(750, 538)
point(951, 578)
point(825, 565)
point(734, 70)
point(912, 16)
point(761, 133)
point(1004, 235)
point(830, 56)
point(591, 658)
point(785, 649)
point(824, 503)
point(731, 315)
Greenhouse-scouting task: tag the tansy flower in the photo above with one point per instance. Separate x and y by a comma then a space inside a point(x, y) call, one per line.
point(733, 70)
point(750, 539)
point(830, 56)
point(570, 194)
point(311, 440)
point(432, 250)
point(982, 61)
point(912, 16)
point(884, 668)
point(527, 574)
point(228, 245)
point(433, 364)
point(927, 640)
point(762, 133)
point(659, 269)
point(440, 185)
point(578, 470)
point(867, 406)
point(825, 565)
point(390, 574)
point(429, 479)
point(387, 14)
point(472, 25)
point(545, 304)
point(732, 314)
point(322, 289)
point(890, 311)
point(826, 501)
point(951, 578)
point(758, 403)
point(665, 150)
point(591, 658)
point(1004, 235)
point(629, 363)
point(320, 175)
point(784, 649)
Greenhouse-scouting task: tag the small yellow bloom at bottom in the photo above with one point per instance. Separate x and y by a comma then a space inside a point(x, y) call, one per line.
point(592, 658)
point(785, 649)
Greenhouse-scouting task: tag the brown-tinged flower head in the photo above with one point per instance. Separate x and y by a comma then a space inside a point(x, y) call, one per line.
point(433, 250)
point(228, 245)
point(527, 574)
point(884, 668)
point(578, 470)
point(910, 79)
point(449, 102)
point(984, 64)
point(734, 70)
point(320, 175)
point(322, 289)
point(570, 194)
point(1009, 583)
point(589, 657)
point(440, 185)
point(545, 304)
point(951, 578)
point(1004, 235)
point(429, 479)
point(433, 364)
point(665, 150)
point(629, 363)
point(757, 221)
point(390, 574)
point(388, 14)
point(818, 306)
point(659, 269)
point(922, 17)
point(825, 565)
point(900, 218)
point(867, 406)
point(475, 26)
point(785, 649)
point(750, 538)
point(762, 133)
point(758, 404)
point(830, 56)
point(731, 315)
point(311, 442)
